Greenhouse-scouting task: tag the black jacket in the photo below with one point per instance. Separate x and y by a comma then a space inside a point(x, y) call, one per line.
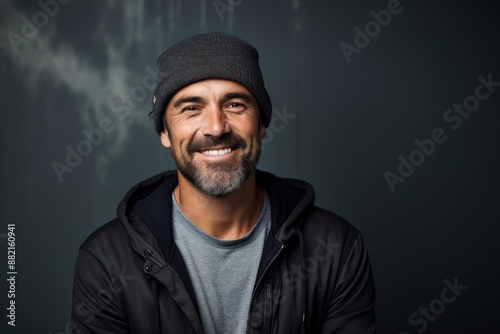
point(314, 275)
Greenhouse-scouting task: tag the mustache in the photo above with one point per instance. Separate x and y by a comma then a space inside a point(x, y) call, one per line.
point(207, 143)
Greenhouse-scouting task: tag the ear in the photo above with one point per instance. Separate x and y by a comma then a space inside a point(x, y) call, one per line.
point(262, 132)
point(262, 128)
point(165, 139)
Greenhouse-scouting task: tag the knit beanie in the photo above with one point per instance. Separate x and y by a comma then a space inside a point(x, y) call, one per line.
point(208, 56)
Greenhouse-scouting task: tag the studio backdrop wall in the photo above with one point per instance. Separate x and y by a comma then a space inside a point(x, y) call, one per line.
point(390, 109)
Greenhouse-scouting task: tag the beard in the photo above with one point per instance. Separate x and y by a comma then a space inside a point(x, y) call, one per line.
point(218, 179)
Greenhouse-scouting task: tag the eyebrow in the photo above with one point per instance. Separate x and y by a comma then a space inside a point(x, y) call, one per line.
point(188, 99)
point(239, 95)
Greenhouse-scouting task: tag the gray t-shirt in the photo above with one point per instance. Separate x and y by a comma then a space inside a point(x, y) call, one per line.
point(223, 272)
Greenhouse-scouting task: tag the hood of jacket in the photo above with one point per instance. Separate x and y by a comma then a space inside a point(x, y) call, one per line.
point(149, 203)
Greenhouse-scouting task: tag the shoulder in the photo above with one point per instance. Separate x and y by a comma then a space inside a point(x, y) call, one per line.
point(319, 221)
point(323, 227)
point(107, 239)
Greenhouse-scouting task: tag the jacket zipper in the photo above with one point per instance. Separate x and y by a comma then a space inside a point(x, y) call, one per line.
point(155, 264)
point(268, 305)
point(265, 270)
point(260, 278)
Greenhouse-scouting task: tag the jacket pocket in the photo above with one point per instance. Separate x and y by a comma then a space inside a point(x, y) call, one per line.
point(268, 308)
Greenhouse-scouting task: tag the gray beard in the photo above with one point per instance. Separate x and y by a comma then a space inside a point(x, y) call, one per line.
point(225, 178)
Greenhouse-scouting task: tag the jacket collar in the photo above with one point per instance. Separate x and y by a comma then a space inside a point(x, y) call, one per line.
point(150, 201)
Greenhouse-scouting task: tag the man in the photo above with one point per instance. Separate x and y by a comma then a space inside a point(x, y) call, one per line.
point(217, 246)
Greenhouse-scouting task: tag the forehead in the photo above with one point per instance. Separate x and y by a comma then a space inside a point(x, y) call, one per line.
point(210, 88)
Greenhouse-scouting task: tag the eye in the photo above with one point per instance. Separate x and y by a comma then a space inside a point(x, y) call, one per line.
point(235, 106)
point(190, 109)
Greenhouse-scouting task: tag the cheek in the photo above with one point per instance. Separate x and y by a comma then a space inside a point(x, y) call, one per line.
point(180, 144)
point(247, 129)
point(183, 132)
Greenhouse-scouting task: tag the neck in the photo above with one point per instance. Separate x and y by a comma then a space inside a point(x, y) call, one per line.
point(228, 217)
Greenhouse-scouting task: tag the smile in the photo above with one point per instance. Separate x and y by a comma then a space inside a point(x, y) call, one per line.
point(217, 152)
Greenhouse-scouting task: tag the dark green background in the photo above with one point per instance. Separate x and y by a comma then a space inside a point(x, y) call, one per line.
point(352, 121)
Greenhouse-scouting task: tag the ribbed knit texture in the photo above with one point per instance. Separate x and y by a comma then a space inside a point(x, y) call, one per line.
point(209, 56)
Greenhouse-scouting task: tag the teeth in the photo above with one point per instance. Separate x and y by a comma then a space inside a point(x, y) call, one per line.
point(217, 152)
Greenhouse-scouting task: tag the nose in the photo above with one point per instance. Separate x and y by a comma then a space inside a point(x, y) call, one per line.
point(214, 122)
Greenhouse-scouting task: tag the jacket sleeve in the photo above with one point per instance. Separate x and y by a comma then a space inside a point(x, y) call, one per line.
point(95, 306)
point(352, 306)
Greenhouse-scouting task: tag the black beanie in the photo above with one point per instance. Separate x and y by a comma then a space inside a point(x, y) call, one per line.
point(208, 56)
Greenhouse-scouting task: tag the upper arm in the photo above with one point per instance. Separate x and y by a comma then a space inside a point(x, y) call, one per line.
point(96, 307)
point(351, 308)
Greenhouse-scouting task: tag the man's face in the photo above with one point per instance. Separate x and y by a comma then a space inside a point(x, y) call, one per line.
point(214, 134)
